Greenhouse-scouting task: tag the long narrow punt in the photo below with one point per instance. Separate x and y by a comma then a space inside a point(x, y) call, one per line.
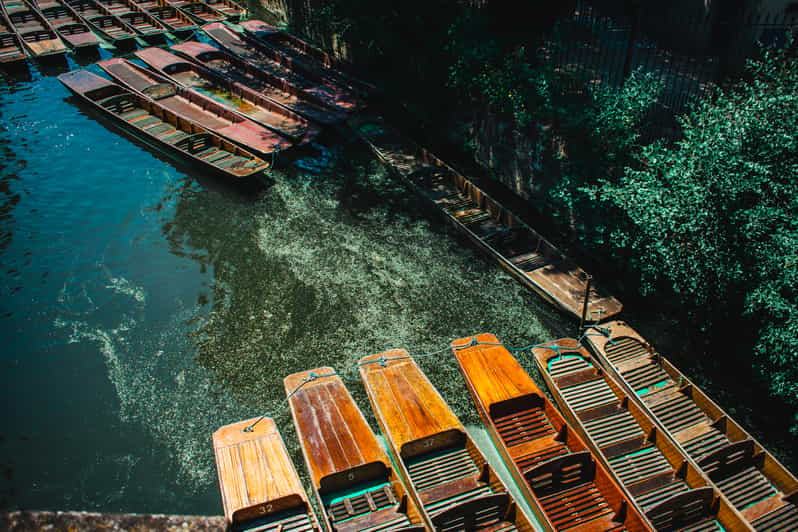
point(11, 50)
point(34, 31)
point(168, 15)
point(352, 476)
point(519, 249)
point(260, 487)
point(314, 86)
point(161, 128)
point(231, 94)
point(199, 11)
point(257, 80)
point(67, 24)
point(195, 107)
point(757, 485)
point(446, 474)
point(661, 479)
point(539, 447)
point(305, 54)
point(129, 12)
point(107, 26)
point(230, 9)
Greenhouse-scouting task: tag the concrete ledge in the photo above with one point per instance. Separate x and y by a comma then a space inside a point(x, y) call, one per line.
point(73, 521)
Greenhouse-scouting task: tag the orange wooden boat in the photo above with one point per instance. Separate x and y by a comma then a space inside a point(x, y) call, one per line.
point(11, 49)
point(241, 72)
point(518, 248)
point(260, 487)
point(157, 126)
point(34, 31)
point(195, 107)
point(445, 472)
point(662, 480)
point(757, 485)
point(539, 447)
point(67, 24)
point(352, 476)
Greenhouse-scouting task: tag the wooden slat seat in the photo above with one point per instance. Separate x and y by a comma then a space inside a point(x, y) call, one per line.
point(520, 427)
point(437, 468)
point(300, 522)
point(634, 467)
point(566, 365)
point(614, 428)
point(645, 377)
point(587, 395)
point(784, 519)
point(651, 498)
point(575, 506)
point(746, 487)
point(529, 461)
point(678, 413)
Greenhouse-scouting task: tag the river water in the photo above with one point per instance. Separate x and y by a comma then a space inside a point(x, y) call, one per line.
point(143, 306)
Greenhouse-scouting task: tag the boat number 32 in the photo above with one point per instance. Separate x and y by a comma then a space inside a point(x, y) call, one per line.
point(266, 508)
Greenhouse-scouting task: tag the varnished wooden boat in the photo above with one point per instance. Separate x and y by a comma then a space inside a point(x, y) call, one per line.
point(11, 49)
point(196, 107)
point(258, 80)
point(34, 31)
point(315, 87)
point(131, 14)
point(232, 10)
point(107, 26)
point(662, 480)
point(756, 484)
point(352, 476)
point(199, 11)
point(446, 474)
point(161, 128)
point(170, 17)
point(67, 24)
point(305, 54)
point(231, 94)
point(260, 487)
point(518, 248)
point(539, 447)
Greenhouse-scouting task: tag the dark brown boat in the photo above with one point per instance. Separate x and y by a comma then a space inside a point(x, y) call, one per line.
point(539, 447)
point(131, 14)
point(34, 31)
point(232, 10)
point(232, 95)
point(445, 472)
point(195, 107)
point(315, 87)
point(757, 485)
point(199, 11)
point(153, 124)
point(518, 248)
point(170, 17)
point(107, 26)
point(353, 478)
point(11, 49)
point(663, 482)
point(260, 488)
point(305, 54)
point(240, 71)
point(67, 24)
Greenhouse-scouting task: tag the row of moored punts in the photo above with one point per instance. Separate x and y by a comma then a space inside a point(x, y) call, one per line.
point(613, 460)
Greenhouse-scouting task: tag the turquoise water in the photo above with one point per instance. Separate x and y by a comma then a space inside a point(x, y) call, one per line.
point(143, 306)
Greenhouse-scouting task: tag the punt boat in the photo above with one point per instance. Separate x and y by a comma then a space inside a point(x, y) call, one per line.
point(67, 24)
point(757, 485)
point(662, 481)
point(260, 487)
point(157, 126)
point(104, 24)
point(170, 17)
point(260, 81)
point(34, 31)
point(195, 107)
point(303, 53)
point(353, 478)
point(518, 248)
point(542, 452)
point(140, 20)
point(315, 87)
point(199, 11)
point(231, 94)
point(445, 472)
point(232, 10)
point(11, 50)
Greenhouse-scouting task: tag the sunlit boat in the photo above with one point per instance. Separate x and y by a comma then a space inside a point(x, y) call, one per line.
point(352, 477)
point(34, 31)
point(199, 11)
point(107, 26)
point(11, 49)
point(174, 20)
point(141, 21)
point(67, 24)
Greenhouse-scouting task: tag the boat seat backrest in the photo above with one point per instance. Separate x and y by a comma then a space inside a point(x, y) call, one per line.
point(104, 22)
point(195, 143)
point(682, 509)
point(210, 56)
point(282, 504)
point(22, 17)
point(561, 473)
point(121, 103)
point(37, 35)
point(728, 459)
point(72, 29)
point(516, 404)
point(433, 443)
point(475, 514)
point(357, 475)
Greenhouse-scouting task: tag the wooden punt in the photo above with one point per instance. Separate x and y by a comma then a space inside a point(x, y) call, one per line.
point(662, 480)
point(199, 11)
point(314, 86)
point(107, 26)
point(35, 33)
point(67, 24)
point(352, 477)
point(518, 248)
point(548, 460)
point(131, 14)
point(11, 49)
point(195, 107)
point(756, 484)
point(232, 10)
point(159, 127)
point(169, 16)
point(231, 94)
point(260, 81)
point(303, 53)
point(446, 474)
point(260, 487)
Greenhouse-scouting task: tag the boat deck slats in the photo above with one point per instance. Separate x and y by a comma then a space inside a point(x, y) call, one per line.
point(445, 466)
point(578, 505)
point(369, 501)
point(746, 487)
point(565, 365)
point(782, 520)
point(523, 426)
point(614, 428)
point(400, 523)
point(444, 504)
point(622, 349)
point(635, 467)
point(707, 525)
point(709, 442)
point(292, 523)
point(678, 413)
point(531, 460)
point(661, 494)
point(530, 261)
point(645, 376)
point(588, 395)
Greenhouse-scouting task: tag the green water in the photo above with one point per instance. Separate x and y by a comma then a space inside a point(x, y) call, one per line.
point(143, 306)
